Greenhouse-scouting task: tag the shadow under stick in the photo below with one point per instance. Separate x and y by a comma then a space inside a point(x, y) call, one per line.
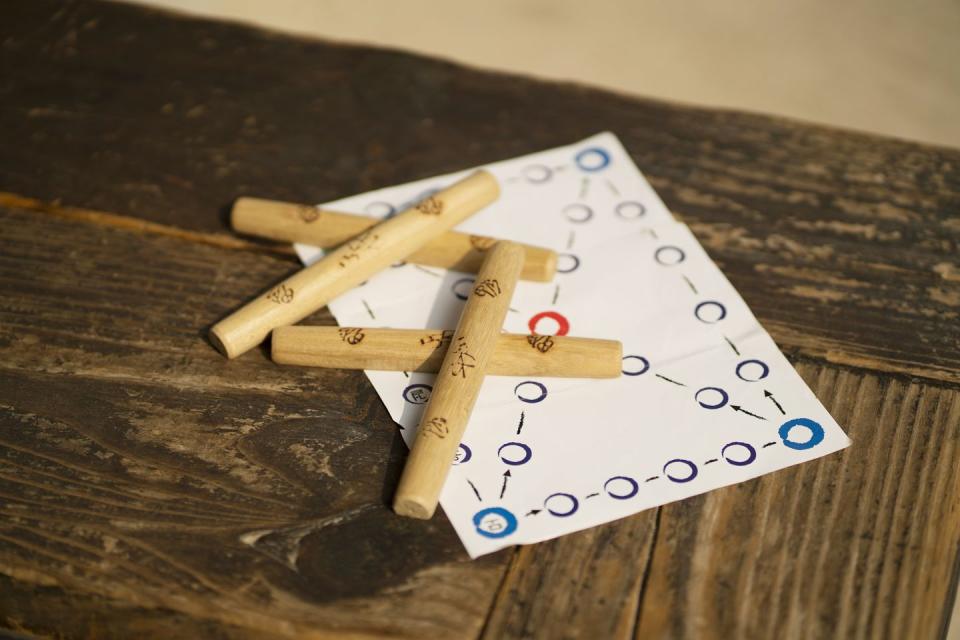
point(323, 228)
point(352, 263)
point(423, 350)
point(458, 383)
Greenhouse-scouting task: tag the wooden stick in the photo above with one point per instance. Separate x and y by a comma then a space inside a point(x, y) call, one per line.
point(323, 228)
point(352, 263)
point(423, 350)
point(458, 383)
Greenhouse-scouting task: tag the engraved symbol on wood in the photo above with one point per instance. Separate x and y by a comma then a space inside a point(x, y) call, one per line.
point(463, 360)
point(281, 295)
point(435, 427)
point(352, 335)
point(437, 339)
point(431, 206)
point(488, 287)
point(308, 214)
point(541, 343)
point(357, 246)
point(482, 243)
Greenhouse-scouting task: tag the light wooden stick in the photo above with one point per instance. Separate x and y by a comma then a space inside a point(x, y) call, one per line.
point(352, 263)
point(458, 383)
point(324, 228)
point(423, 350)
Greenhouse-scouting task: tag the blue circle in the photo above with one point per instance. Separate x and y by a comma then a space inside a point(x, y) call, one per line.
point(752, 454)
point(646, 366)
point(690, 465)
point(816, 436)
point(458, 283)
point(467, 454)
point(410, 393)
point(670, 250)
point(543, 392)
point(634, 487)
point(527, 453)
point(575, 504)
point(710, 303)
point(766, 370)
point(509, 525)
point(723, 400)
point(592, 159)
point(576, 263)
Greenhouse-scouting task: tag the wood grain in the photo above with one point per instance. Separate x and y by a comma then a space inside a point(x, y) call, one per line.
point(133, 458)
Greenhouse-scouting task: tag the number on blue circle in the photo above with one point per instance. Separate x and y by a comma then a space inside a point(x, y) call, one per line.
point(417, 393)
point(494, 522)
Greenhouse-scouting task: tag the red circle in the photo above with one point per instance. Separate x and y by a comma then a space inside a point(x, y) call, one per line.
point(562, 329)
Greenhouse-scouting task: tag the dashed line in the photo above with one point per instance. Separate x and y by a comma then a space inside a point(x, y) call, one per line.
point(732, 346)
point(425, 270)
point(613, 188)
point(592, 495)
point(369, 310)
point(556, 292)
point(573, 234)
point(690, 284)
point(711, 461)
point(475, 492)
point(651, 478)
point(520, 426)
point(669, 379)
point(406, 375)
point(584, 187)
point(769, 444)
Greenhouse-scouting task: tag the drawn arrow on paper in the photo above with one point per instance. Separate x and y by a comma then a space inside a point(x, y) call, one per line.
point(737, 407)
point(506, 477)
point(534, 512)
point(767, 394)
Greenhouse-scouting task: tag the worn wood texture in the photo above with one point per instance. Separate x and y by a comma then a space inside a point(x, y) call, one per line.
point(149, 488)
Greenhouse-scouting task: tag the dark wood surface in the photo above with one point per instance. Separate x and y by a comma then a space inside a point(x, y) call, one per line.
point(148, 487)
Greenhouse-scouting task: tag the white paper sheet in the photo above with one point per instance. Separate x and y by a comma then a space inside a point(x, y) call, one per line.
point(707, 399)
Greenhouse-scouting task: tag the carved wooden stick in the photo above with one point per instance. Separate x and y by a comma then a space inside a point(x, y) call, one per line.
point(351, 263)
point(324, 228)
point(458, 383)
point(423, 350)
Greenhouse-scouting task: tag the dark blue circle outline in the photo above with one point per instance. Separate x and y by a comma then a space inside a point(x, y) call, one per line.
point(576, 505)
point(579, 205)
point(411, 386)
point(467, 457)
point(536, 166)
point(646, 366)
point(815, 428)
point(576, 262)
point(507, 515)
point(643, 210)
point(528, 454)
point(723, 311)
point(543, 389)
point(636, 487)
point(750, 448)
point(453, 287)
point(766, 369)
point(578, 159)
point(723, 403)
point(688, 462)
point(683, 255)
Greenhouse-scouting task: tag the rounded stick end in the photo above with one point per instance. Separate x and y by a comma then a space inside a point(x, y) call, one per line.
point(413, 507)
point(221, 344)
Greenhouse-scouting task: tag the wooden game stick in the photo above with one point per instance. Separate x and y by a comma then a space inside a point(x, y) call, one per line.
point(352, 263)
point(324, 228)
point(458, 383)
point(423, 350)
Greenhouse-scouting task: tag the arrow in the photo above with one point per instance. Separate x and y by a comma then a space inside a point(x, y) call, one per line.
point(534, 512)
point(767, 394)
point(506, 476)
point(737, 407)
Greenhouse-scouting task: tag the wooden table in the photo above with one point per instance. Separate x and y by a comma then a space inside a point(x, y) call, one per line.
point(148, 487)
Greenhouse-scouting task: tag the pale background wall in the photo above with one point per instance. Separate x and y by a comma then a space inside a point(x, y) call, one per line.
point(886, 66)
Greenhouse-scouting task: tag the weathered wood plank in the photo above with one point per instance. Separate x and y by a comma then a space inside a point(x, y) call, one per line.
point(858, 544)
point(140, 470)
point(844, 244)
